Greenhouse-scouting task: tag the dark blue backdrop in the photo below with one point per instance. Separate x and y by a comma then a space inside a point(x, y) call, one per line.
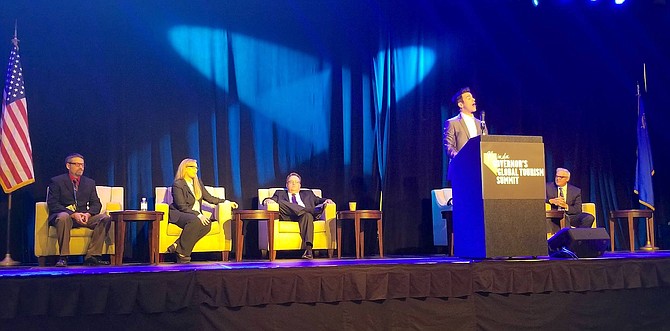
point(351, 94)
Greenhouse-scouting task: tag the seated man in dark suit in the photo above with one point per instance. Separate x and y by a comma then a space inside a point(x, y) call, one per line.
point(563, 196)
point(73, 202)
point(299, 206)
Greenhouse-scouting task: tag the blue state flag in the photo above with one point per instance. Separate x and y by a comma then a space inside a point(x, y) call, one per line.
point(645, 167)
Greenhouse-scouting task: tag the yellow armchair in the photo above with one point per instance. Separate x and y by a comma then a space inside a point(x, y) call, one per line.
point(46, 240)
point(219, 238)
point(287, 233)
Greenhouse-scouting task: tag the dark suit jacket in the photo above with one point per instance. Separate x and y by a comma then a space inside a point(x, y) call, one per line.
point(456, 134)
point(307, 196)
point(61, 194)
point(573, 197)
point(183, 199)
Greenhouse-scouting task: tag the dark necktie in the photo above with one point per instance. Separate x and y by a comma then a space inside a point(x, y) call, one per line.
point(560, 192)
point(293, 199)
point(75, 185)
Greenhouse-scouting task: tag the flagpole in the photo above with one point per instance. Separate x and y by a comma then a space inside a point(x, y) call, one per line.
point(648, 225)
point(8, 261)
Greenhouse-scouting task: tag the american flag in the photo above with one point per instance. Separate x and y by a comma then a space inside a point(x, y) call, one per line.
point(16, 152)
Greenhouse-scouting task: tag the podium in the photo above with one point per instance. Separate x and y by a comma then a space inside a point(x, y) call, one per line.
point(498, 185)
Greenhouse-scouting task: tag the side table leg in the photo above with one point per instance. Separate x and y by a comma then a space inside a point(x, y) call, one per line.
point(271, 237)
point(612, 234)
point(155, 229)
point(339, 238)
point(380, 235)
point(651, 232)
point(357, 228)
point(240, 238)
point(120, 241)
point(631, 233)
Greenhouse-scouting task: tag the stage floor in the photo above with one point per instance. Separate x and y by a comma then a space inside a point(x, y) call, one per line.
point(389, 260)
point(619, 290)
point(78, 269)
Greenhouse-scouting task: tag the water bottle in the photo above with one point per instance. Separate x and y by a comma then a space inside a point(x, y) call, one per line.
point(143, 204)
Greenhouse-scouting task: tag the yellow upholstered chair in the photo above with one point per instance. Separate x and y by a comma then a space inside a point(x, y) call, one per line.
point(219, 238)
point(587, 207)
point(287, 233)
point(46, 239)
point(590, 207)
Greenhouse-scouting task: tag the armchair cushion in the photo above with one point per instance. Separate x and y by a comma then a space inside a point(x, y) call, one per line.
point(46, 240)
point(287, 233)
point(219, 238)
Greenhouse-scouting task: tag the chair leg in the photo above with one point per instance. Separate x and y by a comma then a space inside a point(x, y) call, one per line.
point(42, 261)
point(224, 256)
point(274, 255)
point(330, 253)
point(161, 258)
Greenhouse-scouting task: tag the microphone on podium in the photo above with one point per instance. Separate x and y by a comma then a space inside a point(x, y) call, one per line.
point(483, 120)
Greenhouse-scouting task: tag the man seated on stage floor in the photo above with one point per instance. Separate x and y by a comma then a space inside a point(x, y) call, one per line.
point(73, 202)
point(563, 196)
point(302, 207)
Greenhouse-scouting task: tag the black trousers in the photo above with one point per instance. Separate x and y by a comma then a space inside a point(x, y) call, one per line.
point(305, 218)
point(581, 220)
point(192, 231)
point(99, 223)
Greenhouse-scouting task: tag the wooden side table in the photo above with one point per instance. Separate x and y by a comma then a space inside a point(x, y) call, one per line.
point(554, 214)
point(120, 218)
point(632, 214)
point(254, 215)
point(357, 216)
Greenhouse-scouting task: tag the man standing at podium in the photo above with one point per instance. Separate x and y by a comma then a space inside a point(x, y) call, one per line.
point(459, 129)
point(563, 196)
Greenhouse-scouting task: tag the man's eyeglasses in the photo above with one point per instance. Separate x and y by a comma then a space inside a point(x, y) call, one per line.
point(561, 177)
point(196, 167)
point(79, 164)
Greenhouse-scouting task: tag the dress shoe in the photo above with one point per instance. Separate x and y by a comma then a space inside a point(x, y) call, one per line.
point(95, 260)
point(183, 259)
point(308, 254)
point(62, 262)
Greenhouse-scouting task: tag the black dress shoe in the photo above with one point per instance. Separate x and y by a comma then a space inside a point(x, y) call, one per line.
point(183, 259)
point(308, 254)
point(62, 262)
point(94, 260)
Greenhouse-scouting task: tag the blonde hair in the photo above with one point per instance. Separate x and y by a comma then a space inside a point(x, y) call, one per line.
point(181, 173)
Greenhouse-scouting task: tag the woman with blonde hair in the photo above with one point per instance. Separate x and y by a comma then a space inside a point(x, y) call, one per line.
point(185, 210)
